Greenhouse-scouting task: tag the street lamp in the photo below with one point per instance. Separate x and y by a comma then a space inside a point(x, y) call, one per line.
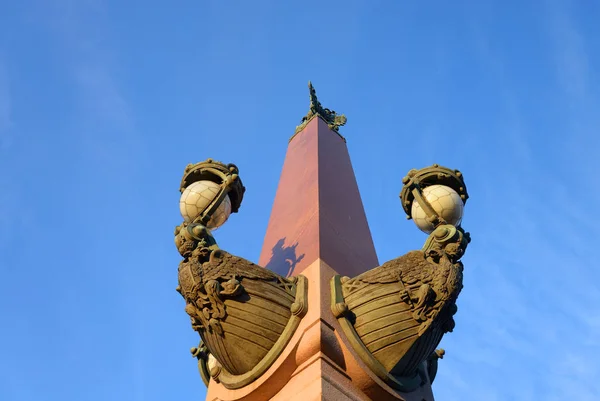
point(381, 327)
point(396, 336)
point(245, 314)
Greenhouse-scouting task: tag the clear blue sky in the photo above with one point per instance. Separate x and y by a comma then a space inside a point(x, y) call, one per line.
point(104, 102)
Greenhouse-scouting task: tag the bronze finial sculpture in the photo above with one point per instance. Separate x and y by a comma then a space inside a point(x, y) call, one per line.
point(245, 314)
point(334, 121)
point(395, 315)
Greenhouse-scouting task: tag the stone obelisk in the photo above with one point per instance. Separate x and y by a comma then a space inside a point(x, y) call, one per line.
point(318, 228)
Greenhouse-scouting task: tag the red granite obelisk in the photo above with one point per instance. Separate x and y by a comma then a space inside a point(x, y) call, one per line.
point(318, 212)
point(317, 228)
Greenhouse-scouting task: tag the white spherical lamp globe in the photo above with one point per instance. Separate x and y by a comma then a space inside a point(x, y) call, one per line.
point(197, 197)
point(445, 201)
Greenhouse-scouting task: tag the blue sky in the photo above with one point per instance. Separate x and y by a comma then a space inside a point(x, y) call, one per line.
point(103, 103)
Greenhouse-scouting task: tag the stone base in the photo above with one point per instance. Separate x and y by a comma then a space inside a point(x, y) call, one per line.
point(318, 363)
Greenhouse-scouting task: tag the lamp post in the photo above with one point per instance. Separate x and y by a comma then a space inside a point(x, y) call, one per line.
point(244, 314)
point(384, 324)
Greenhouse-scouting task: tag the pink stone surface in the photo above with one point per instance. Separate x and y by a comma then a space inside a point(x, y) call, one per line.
point(318, 212)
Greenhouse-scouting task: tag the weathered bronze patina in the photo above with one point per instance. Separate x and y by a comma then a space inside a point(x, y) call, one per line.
point(334, 121)
point(416, 180)
point(245, 314)
point(395, 315)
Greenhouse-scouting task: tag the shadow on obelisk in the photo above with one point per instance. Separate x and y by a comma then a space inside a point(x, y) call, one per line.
point(284, 258)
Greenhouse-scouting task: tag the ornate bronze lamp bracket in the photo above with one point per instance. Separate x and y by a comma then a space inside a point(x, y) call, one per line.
point(347, 319)
point(298, 310)
point(211, 363)
point(395, 315)
point(245, 314)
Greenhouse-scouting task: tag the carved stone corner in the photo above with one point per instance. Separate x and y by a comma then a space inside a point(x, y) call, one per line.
point(298, 309)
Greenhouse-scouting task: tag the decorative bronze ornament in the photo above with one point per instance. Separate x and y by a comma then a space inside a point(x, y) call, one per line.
point(202, 354)
point(416, 181)
point(245, 314)
point(334, 121)
point(432, 363)
point(227, 185)
point(395, 315)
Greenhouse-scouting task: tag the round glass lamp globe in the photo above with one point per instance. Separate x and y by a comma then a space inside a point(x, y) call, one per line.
point(197, 197)
point(445, 201)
